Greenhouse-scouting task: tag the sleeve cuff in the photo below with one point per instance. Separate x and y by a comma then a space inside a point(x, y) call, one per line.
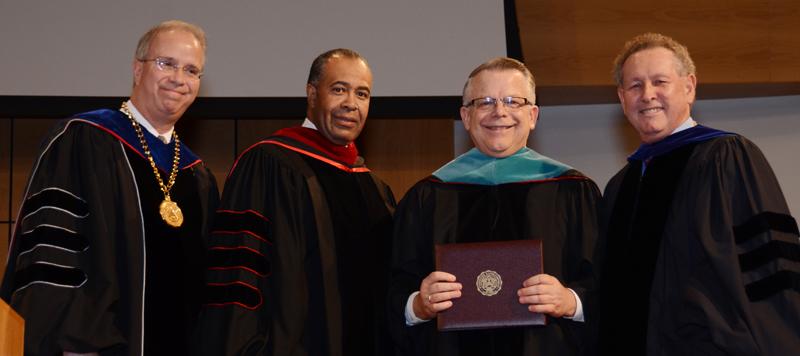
point(412, 319)
point(578, 309)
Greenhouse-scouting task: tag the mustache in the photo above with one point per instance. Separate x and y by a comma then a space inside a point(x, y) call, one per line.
point(344, 111)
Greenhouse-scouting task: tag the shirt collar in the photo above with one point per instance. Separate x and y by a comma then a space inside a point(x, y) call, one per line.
point(308, 124)
point(689, 123)
point(165, 137)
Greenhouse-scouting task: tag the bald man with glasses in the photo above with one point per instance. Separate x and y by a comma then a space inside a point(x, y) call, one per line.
point(108, 253)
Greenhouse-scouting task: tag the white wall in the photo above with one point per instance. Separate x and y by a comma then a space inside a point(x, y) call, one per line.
point(255, 48)
point(596, 139)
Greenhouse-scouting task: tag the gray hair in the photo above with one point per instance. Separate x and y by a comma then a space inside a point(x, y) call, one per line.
point(653, 40)
point(144, 42)
point(502, 63)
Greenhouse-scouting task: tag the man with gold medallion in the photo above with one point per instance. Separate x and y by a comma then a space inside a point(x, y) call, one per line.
point(107, 255)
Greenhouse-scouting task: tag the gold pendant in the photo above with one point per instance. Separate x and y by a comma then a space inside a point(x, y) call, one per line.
point(171, 213)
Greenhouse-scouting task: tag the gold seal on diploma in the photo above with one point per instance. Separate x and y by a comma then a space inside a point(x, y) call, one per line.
point(489, 283)
point(169, 210)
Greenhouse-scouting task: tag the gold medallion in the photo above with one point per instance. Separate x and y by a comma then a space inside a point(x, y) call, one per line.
point(169, 210)
point(171, 213)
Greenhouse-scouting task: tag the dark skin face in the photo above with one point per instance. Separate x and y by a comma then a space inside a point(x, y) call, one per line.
point(338, 104)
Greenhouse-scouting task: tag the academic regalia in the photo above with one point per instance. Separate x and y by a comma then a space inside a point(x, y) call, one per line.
point(479, 198)
point(92, 266)
point(299, 253)
point(701, 254)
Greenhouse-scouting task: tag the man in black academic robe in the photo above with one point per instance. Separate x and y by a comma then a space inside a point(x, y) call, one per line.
point(701, 255)
point(93, 267)
point(299, 251)
point(501, 190)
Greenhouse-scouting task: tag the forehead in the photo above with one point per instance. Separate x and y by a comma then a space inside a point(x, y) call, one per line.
point(349, 70)
point(651, 61)
point(503, 82)
point(178, 44)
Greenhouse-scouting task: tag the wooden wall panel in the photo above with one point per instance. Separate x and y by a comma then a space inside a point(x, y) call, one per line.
point(4, 242)
point(213, 141)
point(28, 136)
point(403, 151)
point(569, 43)
point(785, 40)
point(5, 193)
point(252, 131)
point(5, 168)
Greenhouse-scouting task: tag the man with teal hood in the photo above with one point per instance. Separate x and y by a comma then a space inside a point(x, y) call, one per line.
point(500, 190)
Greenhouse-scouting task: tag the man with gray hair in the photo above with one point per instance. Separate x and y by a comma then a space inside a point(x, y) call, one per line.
point(107, 256)
point(700, 254)
point(500, 190)
point(300, 245)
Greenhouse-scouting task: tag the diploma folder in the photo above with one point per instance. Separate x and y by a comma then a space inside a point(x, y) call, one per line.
point(490, 274)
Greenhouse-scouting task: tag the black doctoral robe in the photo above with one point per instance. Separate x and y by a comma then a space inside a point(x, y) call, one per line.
point(92, 266)
point(559, 209)
point(299, 253)
point(700, 255)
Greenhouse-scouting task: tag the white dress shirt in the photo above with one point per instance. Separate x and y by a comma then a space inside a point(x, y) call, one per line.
point(165, 137)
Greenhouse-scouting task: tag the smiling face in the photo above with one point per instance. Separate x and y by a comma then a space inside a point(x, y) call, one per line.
point(162, 96)
point(655, 96)
point(339, 102)
point(499, 131)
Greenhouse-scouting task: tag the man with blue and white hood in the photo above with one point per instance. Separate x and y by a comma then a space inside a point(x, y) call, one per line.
point(500, 190)
point(700, 253)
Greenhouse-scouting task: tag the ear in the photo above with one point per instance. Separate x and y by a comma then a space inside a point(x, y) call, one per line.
point(534, 116)
point(691, 86)
point(138, 69)
point(311, 95)
point(621, 96)
point(465, 117)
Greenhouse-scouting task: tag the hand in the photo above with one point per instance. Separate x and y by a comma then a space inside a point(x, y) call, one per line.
point(435, 294)
point(545, 294)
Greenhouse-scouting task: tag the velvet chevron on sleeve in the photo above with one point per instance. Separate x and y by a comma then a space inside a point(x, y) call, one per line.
point(296, 234)
point(705, 245)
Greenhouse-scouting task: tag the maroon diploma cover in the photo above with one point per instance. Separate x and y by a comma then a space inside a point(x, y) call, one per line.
point(490, 274)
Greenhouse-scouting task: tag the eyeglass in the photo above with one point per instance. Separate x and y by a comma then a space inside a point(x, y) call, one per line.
point(488, 103)
point(167, 64)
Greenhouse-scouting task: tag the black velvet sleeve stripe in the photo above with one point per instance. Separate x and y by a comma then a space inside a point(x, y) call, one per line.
point(236, 293)
point(50, 274)
point(770, 251)
point(56, 198)
point(764, 288)
point(238, 258)
point(54, 236)
point(248, 221)
point(762, 223)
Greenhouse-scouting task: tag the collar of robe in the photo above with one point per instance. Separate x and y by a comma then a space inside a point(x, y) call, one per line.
point(694, 134)
point(347, 154)
point(525, 165)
